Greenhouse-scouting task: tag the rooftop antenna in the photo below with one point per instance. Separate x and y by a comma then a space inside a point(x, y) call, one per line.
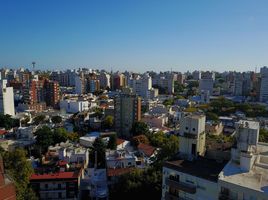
point(33, 63)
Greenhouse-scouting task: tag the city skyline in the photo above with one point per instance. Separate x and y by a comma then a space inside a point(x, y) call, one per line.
point(141, 36)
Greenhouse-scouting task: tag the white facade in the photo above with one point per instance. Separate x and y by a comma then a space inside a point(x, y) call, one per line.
point(6, 99)
point(79, 85)
point(245, 177)
point(105, 80)
point(74, 155)
point(202, 189)
point(264, 85)
point(120, 159)
point(74, 106)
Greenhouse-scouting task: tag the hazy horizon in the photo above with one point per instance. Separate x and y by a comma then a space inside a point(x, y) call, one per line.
point(134, 35)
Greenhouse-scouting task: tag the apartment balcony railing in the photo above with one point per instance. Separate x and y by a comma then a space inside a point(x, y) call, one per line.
point(224, 196)
point(181, 186)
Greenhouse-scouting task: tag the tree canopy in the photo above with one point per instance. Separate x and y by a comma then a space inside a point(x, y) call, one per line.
point(20, 169)
point(7, 122)
point(112, 142)
point(139, 128)
point(108, 122)
point(56, 119)
point(263, 137)
point(137, 183)
point(39, 119)
point(100, 148)
point(46, 137)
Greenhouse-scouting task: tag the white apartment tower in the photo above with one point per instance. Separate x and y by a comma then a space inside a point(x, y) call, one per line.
point(6, 99)
point(264, 85)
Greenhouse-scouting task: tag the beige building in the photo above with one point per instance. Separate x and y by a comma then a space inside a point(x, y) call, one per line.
point(192, 135)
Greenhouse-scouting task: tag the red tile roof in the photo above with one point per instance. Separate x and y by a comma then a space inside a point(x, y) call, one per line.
point(118, 171)
point(58, 175)
point(62, 163)
point(3, 132)
point(119, 141)
point(148, 150)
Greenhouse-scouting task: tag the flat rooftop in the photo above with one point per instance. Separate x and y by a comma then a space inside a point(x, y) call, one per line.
point(255, 179)
point(249, 124)
point(202, 168)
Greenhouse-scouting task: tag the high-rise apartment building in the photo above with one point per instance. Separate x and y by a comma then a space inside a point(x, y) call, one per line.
point(264, 85)
point(52, 93)
point(6, 99)
point(127, 111)
point(206, 82)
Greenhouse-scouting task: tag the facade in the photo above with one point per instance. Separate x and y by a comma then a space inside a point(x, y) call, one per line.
point(192, 135)
point(246, 174)
point(74, 106)
point(52, 93)
point(59, 185)
point(105, 80)
point(191, 176)
point(127, 111)
point(264, 85)
point(79, 84)
point(120, 159)
point(6, 99)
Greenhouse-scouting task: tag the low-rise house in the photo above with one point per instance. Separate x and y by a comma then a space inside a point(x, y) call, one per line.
point(214, 128)
point(156, 121)
point(148, 152)
point(122, 144)
point(74, 106)
point(120, 159)
point(57, 185)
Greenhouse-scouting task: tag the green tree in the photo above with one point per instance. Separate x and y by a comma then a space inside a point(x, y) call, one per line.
point(168, 102)
point(100, 148)
point(60, 135)
point(112, 142)
point(168, 144)
point(212, 116)
point(7, 122)
point(136, 183)
point(108, 121)
point(39, 119)
point(74, 137)
point(140, 139)
point(263, 135)
point(56, 119)
point(20, 169)
point(139, 128)
point(44, 138)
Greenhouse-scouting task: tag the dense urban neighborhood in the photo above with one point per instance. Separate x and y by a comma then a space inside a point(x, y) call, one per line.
point(93, 134)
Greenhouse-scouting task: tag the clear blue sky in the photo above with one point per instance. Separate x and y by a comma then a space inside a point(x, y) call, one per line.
point(134, 34)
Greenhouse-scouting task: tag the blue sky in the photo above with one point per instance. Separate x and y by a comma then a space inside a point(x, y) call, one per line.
point(135, 35)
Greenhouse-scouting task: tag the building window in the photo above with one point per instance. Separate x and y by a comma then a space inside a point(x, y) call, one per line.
point(193, 129)
point(186, 128)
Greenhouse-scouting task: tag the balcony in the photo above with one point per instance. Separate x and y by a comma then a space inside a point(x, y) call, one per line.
point(181, 186)
point(224, 196)
point(190, 135)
